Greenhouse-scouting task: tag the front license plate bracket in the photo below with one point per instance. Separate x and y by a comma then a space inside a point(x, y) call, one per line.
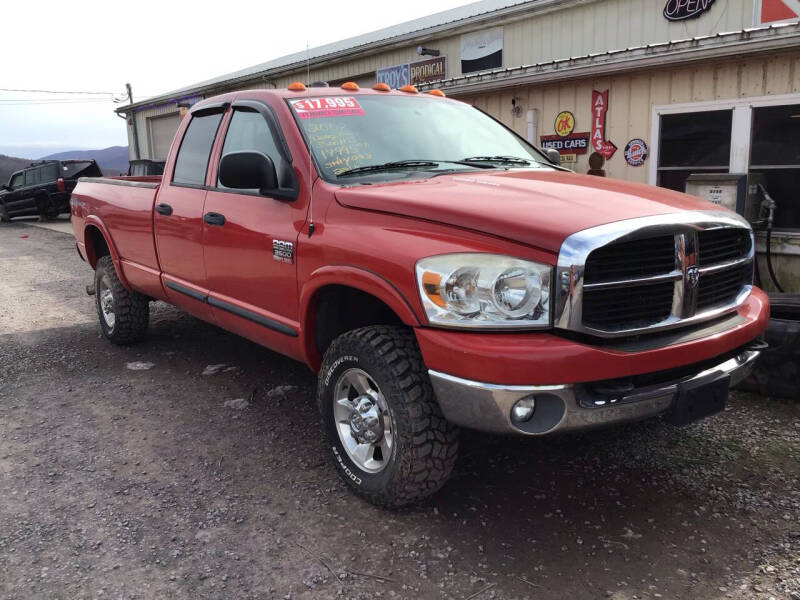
point(696, 401)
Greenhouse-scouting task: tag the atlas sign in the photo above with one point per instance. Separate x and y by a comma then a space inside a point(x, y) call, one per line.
point(599, 109)
point(679, 10)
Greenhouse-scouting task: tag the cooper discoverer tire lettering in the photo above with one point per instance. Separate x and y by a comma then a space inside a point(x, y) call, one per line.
point(385, 433)
point(124, 315)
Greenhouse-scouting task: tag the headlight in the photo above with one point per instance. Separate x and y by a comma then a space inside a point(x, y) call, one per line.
point(485, 290)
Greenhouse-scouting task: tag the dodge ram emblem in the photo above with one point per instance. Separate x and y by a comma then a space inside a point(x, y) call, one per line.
point(692, 277)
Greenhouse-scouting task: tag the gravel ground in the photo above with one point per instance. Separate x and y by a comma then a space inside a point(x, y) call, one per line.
point(191, 466)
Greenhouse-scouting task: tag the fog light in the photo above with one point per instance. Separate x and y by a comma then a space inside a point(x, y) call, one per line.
point(523, 409)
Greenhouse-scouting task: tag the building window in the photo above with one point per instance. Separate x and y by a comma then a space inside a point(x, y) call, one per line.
point(775, 153)
point(693, 142)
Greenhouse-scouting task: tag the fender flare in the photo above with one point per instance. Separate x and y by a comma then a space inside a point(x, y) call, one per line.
point(94, 221)
point(353, 277)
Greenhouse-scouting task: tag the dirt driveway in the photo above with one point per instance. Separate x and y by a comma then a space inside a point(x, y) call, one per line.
point(129, 473)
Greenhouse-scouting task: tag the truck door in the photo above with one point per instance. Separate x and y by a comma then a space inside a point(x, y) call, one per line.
point(13, 197)
point(249, 241)
point(178, 215)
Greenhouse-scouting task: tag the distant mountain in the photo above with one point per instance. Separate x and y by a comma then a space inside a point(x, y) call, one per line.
point(9, 164)
point(112, 160)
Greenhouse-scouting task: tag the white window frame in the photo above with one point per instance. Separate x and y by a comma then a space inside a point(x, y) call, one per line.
point(740, 128)
point(741, 136)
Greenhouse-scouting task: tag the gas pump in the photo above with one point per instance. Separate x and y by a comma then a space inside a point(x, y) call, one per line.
point(744, 194)
point(778, 372)
point(766, 214)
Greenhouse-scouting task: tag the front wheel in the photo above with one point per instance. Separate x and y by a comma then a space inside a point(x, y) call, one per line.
point(124, 315)
point(383, 428)
point(4, 216)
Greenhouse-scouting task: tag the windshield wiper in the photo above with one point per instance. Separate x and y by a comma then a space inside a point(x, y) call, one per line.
point(404, 164)
point(506, 160)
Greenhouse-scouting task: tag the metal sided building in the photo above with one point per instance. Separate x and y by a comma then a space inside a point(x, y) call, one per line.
point(660, 89)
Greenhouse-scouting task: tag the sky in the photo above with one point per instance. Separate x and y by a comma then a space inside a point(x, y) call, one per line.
point(157, 47)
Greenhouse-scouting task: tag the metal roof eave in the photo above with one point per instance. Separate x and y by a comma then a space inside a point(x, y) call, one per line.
point(257, 73)
point(721, 45)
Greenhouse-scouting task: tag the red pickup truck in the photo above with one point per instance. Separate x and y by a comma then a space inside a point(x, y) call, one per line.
point(435, 270)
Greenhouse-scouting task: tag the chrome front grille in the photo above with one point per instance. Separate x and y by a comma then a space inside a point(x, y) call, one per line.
point(722, 287)
point(653, 273)
point(720, 245)
point(653, 256)
point(637, 306)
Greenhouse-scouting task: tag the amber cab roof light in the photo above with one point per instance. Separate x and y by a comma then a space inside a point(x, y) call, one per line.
point(439, 93)
point(410, 89)
point(350, 86)
point(382, 87)
point(297, 86)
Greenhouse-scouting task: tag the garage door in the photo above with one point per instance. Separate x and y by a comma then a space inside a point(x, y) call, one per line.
point(161, 130)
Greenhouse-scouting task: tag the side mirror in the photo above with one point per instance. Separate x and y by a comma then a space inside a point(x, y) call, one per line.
point(248, 171)
point(553, 156)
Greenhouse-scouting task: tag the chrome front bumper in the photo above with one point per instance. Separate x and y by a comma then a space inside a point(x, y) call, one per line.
point(487, 407)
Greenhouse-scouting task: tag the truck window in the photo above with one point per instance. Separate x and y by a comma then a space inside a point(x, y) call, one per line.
point(73, 168)
point(249, 132)
point(17, 181)
point(31, 176)
point(195, 150)
point(50, 173)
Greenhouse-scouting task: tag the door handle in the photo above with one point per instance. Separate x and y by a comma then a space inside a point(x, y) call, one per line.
point(163, 209)
point(213, 218)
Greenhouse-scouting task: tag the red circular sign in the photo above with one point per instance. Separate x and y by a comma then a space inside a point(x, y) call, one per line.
point(636, 152)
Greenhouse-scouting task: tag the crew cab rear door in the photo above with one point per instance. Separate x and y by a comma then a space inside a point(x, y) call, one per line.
point(178, 213)
point(249, 239)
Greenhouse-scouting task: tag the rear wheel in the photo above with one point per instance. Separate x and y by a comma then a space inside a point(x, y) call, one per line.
point(384, 430)
point(43, 206)
point(124, 315)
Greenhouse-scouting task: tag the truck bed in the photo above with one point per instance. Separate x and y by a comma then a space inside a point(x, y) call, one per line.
point(123, 206)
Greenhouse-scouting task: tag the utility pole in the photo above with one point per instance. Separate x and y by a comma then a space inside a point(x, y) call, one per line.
point(133, 122)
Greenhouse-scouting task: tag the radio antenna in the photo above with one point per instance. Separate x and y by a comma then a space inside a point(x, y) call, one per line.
point(310, 161)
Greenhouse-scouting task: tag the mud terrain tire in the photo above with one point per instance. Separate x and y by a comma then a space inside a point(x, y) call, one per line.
point(424, 445)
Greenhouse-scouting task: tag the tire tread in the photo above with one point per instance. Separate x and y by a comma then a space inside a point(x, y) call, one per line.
point(132, 310)
point(430, 441)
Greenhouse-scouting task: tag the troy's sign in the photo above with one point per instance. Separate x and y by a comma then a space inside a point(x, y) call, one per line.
point(678, 10)
point(599, 110)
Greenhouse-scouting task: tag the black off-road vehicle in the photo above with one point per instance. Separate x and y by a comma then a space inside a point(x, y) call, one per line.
point(43, 188)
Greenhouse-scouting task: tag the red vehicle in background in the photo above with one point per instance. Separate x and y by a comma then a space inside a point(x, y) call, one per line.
point(435, 269)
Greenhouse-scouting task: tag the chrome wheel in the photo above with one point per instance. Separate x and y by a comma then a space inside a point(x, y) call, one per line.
point(106, 302)
point(363, 421)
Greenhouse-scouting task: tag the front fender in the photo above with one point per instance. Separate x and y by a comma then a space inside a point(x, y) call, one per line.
point(353, 277)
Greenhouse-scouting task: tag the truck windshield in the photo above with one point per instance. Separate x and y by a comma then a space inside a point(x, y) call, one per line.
point(363, 136)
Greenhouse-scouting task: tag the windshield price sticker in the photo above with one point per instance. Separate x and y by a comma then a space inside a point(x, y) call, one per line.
point(331, 106)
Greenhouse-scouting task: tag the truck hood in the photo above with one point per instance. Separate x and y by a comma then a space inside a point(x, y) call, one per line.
point(538, 208)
